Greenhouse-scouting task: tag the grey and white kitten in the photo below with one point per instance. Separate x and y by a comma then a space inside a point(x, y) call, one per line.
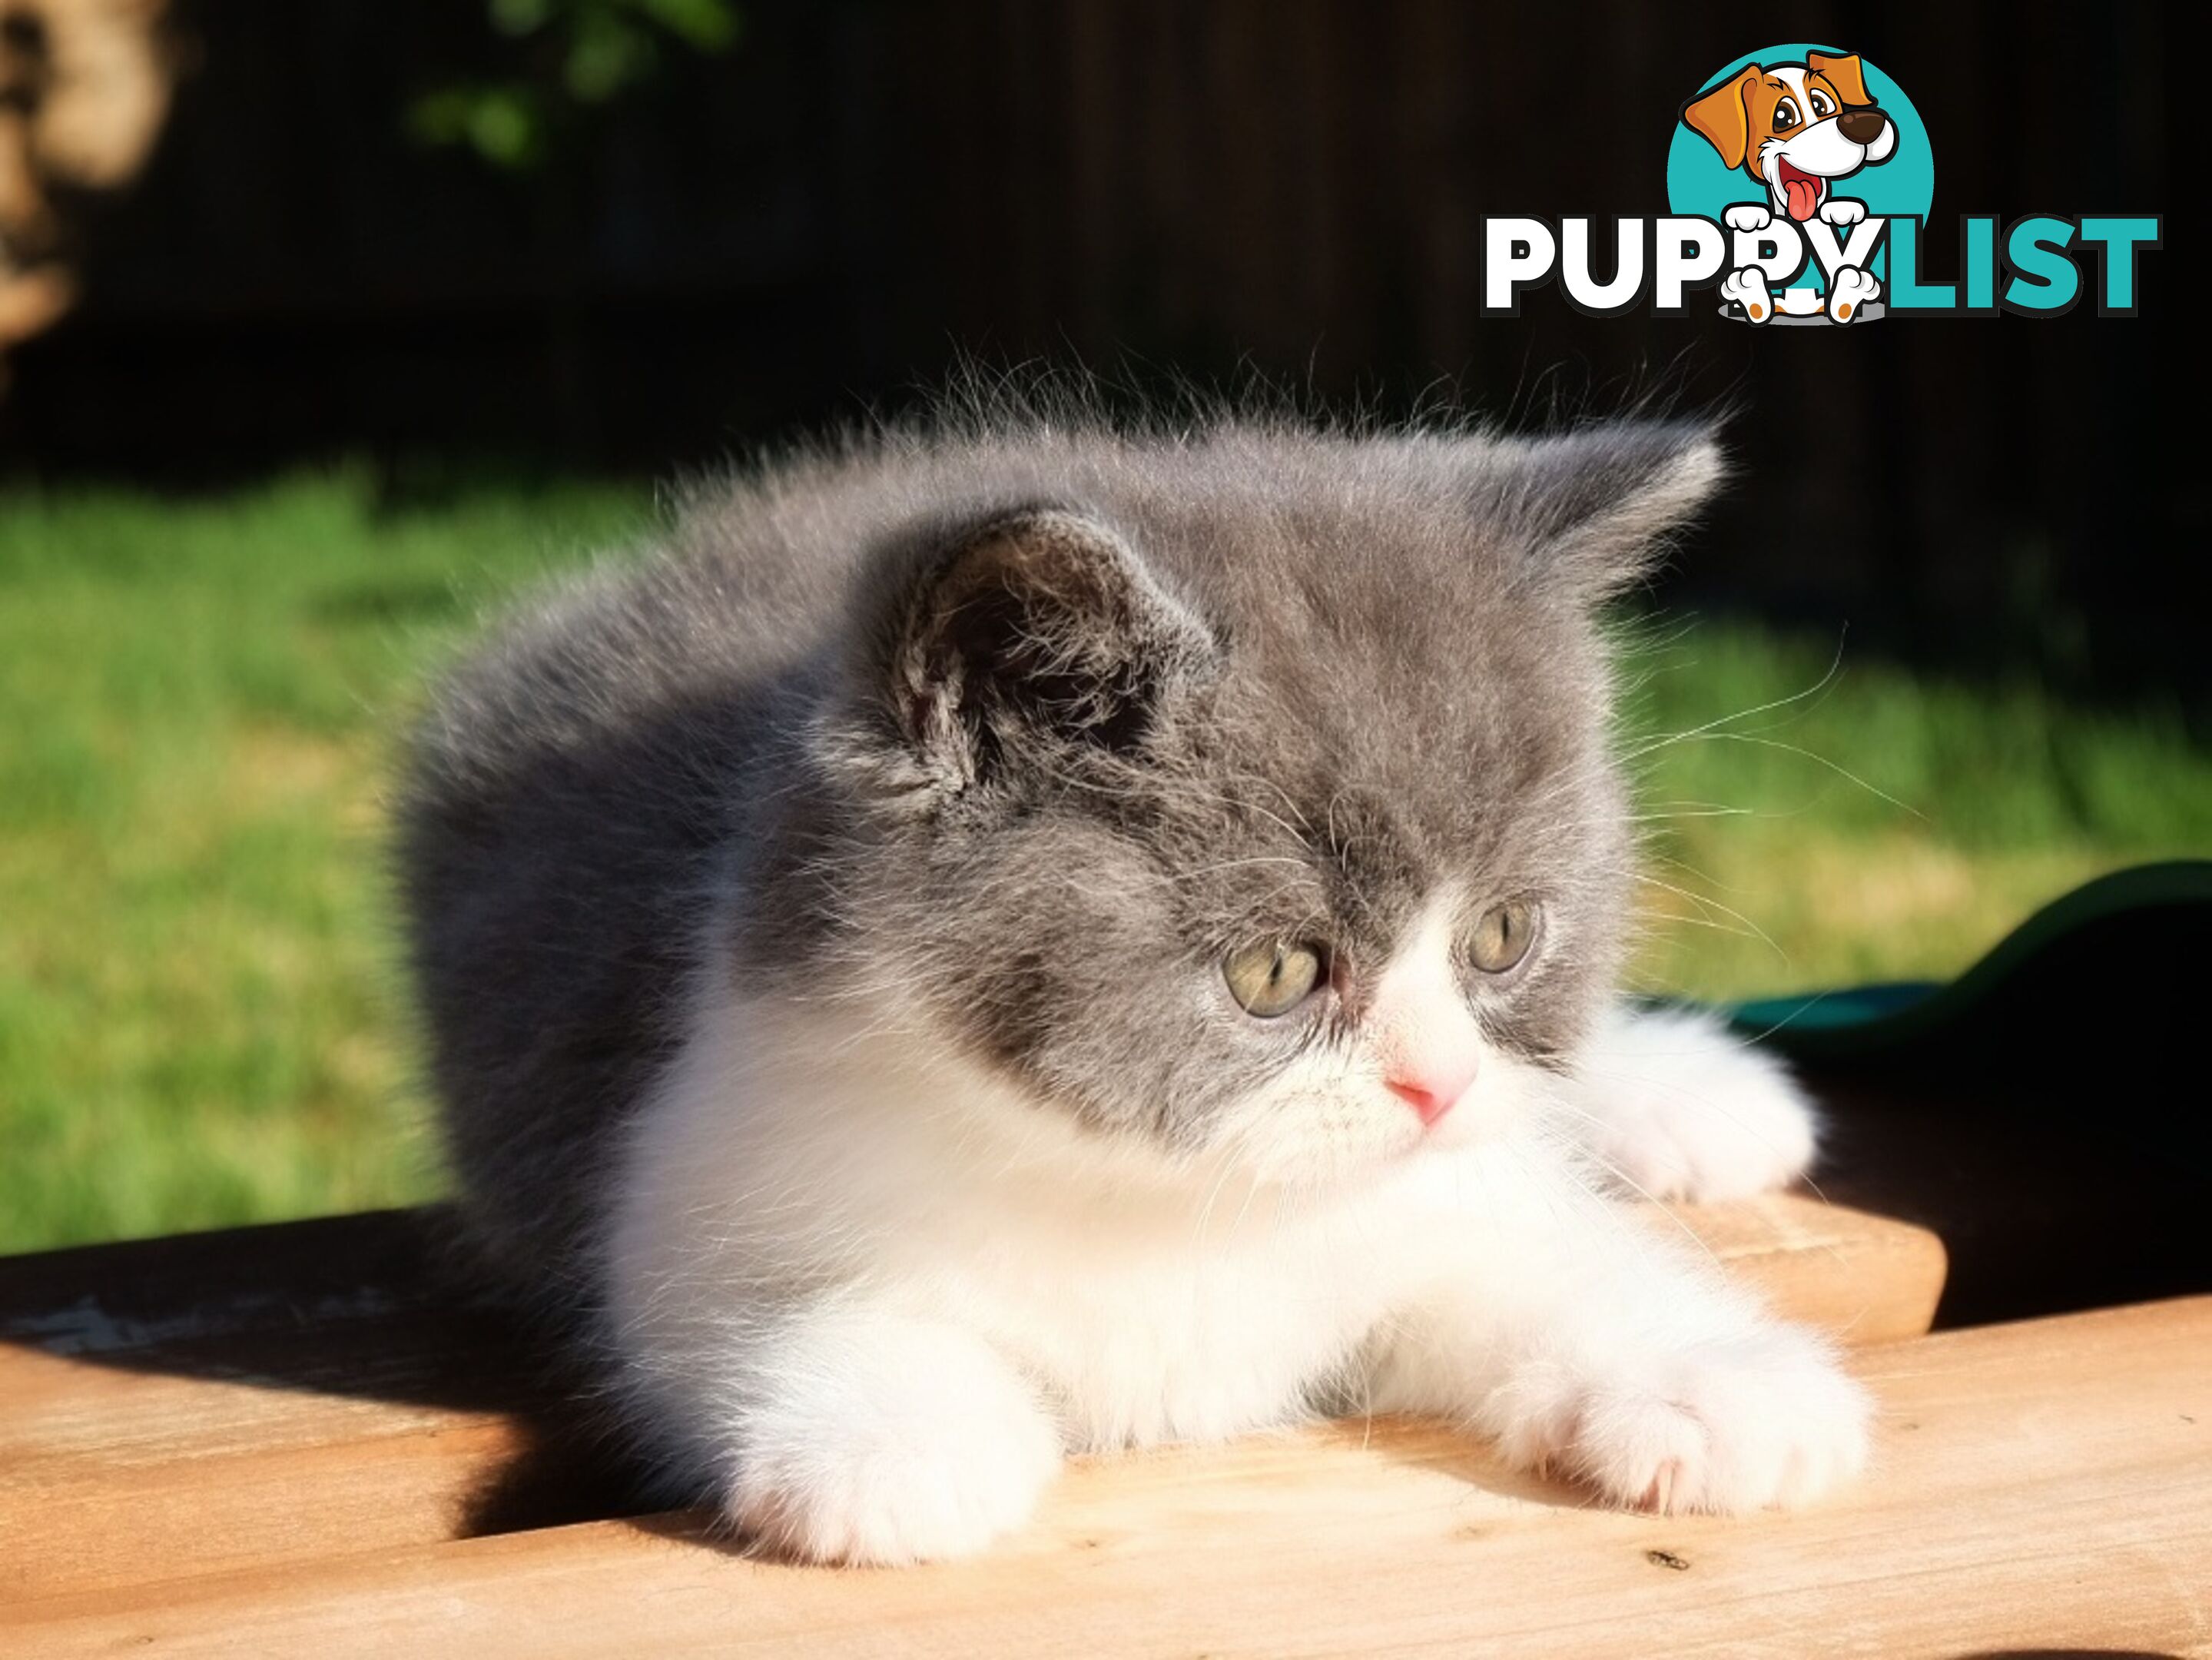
point(1019, 937)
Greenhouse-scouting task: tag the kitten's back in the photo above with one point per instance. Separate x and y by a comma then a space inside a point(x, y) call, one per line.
point(561, 798)
point(578, 781)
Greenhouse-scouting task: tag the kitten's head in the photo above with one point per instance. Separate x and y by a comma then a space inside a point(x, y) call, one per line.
point(1246, 796)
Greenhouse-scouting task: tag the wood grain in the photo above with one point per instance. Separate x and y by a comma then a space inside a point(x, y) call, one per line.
point(1868, 1279)
point(277, 1395)
point(2040, 1487)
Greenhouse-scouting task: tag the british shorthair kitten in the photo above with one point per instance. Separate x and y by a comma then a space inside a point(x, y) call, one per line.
point(1020, 937)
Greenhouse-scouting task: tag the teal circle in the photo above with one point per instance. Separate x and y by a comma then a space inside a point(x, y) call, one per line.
point(1698, 182)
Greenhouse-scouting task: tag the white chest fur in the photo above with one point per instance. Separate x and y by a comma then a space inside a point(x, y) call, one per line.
point(777, 1166)
point(869, 1296)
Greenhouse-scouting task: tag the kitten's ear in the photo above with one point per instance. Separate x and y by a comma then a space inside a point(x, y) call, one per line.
point(1043, 624)
point(1588, 512)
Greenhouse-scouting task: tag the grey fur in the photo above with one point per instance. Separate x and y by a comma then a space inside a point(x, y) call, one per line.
point(1042, 717)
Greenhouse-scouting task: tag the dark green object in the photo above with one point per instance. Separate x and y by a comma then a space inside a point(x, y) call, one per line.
point(2045, 1112)
point(2116, 957)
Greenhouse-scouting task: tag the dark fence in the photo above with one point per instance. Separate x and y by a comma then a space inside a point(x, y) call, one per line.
point(827, 215)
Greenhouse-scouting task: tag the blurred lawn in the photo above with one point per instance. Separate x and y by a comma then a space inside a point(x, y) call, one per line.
point(200, 1021)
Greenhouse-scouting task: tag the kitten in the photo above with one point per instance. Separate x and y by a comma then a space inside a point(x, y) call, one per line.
point(1019, 938)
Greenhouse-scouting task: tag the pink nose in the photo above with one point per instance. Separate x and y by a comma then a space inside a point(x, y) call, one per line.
point(1432, 1094)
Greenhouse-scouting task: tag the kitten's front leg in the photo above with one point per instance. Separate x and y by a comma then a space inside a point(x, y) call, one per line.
point(1674, 1106)
point(1612, 1359)
point(872, 1436)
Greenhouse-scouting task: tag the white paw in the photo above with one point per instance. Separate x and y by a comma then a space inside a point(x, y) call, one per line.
point(1849, 292)
point(1747, 215)
point(1842, 211)
point(1765, 1419)
point(932, 1455)
point(1748, 289)
point(1677, 1107)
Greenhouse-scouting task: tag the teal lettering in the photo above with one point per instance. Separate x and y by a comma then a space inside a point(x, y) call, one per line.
point(2043, 277)
point(1907, 291)
point(2115, 241)
point(1981, 264)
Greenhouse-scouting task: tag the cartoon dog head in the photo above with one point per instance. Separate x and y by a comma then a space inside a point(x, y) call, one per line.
point(1794, 127)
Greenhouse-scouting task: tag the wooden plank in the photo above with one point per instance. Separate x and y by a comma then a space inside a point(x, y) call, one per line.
point(1868, 1278)
point(260, 1396)
point(2040, 1487)
point(281, 1394)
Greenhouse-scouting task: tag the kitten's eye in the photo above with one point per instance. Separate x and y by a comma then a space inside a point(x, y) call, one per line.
point(1503, 935)
point(1270, 979)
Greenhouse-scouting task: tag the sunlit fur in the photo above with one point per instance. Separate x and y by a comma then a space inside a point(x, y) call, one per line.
point(820, 928)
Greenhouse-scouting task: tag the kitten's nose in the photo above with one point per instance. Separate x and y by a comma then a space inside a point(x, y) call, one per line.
point(1433, 1091)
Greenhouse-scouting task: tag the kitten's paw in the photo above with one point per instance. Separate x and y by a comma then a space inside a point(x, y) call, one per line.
point(931, 1449)
point(1677, 1107)
point(1765, 1420)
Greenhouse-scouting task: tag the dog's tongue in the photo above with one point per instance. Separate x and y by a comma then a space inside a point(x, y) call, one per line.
point(1804, 196)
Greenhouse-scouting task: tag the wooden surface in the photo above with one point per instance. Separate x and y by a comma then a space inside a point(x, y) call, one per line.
point(2040, 1487)
point(233, 1415)
point(275, 1395)
point(1868, 1278)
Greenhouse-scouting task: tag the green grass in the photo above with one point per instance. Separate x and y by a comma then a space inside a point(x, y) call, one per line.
point(1826, 819)
point(200, 1020)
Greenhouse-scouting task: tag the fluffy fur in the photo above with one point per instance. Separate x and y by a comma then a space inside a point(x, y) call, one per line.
point(821, 928)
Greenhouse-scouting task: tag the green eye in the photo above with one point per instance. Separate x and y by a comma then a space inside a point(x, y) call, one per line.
point(1270, 979)
point(1503, 935)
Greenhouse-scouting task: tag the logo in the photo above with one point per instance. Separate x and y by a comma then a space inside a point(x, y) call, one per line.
point(1801, 182)
point(1805, 156)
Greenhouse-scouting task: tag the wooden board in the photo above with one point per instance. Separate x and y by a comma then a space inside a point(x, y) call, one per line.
point(2041, 1486)
point(275, 1395)
point(1868, 1278)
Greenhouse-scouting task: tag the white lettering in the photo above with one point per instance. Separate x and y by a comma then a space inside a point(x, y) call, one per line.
point(1575, 264)
point(1504, 272)
point(1688, 252)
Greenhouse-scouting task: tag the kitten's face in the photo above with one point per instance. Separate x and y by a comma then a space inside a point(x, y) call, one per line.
point(1259, 815)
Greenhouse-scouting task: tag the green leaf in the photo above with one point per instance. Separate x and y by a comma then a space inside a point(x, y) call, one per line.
point(706, 25)
point(502, 122)
point(520, 16)
point(440, 117)
point(605, 55)
point(506, 126)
